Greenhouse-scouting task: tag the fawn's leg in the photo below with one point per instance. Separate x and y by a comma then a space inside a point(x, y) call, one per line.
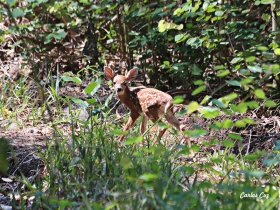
point(144, 124)
point(133, 117)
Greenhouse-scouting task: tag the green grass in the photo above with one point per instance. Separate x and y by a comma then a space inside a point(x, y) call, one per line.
point(89, 169)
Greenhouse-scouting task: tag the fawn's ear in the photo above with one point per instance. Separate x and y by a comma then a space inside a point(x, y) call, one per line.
point(132, 74)
point(109, 73)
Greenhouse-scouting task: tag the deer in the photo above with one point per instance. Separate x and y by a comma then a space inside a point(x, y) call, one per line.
point(153, 104)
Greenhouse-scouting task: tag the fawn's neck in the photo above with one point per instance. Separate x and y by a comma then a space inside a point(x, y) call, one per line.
point(130, 99)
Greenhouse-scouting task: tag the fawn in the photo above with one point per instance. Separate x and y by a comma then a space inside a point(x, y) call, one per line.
point(152, 102)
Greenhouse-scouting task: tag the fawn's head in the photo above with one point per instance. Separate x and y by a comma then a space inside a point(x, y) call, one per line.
point(120, 82)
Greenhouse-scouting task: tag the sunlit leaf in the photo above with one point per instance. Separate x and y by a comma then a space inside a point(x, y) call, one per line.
point(192, 107)
point(270, 103)
point(199, 89)
point(260, 94)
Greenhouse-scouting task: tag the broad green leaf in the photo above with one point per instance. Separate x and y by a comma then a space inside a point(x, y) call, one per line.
point(227, 123)
point(252, 104)
point(91, 101)
point(162, 26)
point(17, 12)
point(249, 121)
point(92, 88)
point(265, 1)
point(235, 136)
point(223, 73)
point(262, 48)
point(192, 107)
point(236, 60)
point(178, 11)
point(230, 97)
point(198, 82)
point(270, 103)
point(11, 2)
point(180, 38)
point(219, 103)
point(199, 89)
point(277, 51)
point(255, 69)
point(177, 99)
point(260, 94)
point(250, 59)
point(79, 101)
point(242, 107)
point(60, 34)
point(227, 143)
point(240, 124)
point(71, 79)
point(246, 80)
point(233, 82)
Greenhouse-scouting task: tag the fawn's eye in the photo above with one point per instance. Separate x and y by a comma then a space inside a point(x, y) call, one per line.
point(114, 83)
point(124, 83)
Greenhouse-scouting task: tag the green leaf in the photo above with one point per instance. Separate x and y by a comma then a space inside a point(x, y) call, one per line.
point(246, 80)
point(71, 79)
point(192, 107)
point(163, 26)
point(236, 60)
point(233, 82)
point(252, 157)
point(133, 140)
point(227, 143)
point(177, 99)
point(198, 82)
point(223, 73)
point(180, 38)
point(252, 104)
point(60, 34)
point(92, 88)
point(199, 89)
point(277, 51)
point(91, 101)
point(227, 123)
point(11, 2)
point(242, 107)
point(265, 1)
point(250, 59)
point(270, 103)
point(149, 177)
point(248, 120)
point(219, 103)
point(255, 69)
point(235, 136)
point(240, 124)
point(260, 94)
point(17, 12)
point(79, 101)
point(262, 48)
point(229, 97)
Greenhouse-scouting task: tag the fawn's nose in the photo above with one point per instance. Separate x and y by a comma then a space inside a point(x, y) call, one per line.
point(119, 89)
